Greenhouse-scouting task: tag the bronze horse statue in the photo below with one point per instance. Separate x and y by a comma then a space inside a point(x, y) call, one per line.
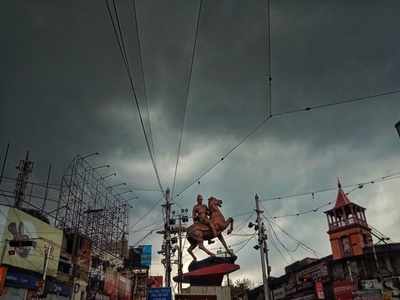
point(198, 232)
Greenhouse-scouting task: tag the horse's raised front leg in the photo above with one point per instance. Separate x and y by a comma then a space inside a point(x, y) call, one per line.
point(222, 240)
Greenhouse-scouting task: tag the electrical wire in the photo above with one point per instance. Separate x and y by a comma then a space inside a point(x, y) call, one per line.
point(300, 213)
point(244, 245)
point(268, 55)
point(339, 102)
point(146, 214)
point(272, 239)
point(141, 67)
point(356, 186)
point(187, 94)
point(302, 244)
point(253, 131)
point(121, 45)
point(265, 120)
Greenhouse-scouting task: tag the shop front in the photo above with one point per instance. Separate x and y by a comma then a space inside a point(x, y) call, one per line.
point(19, 284)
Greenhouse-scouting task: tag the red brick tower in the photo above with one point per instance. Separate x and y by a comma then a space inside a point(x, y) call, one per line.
point(348, 230)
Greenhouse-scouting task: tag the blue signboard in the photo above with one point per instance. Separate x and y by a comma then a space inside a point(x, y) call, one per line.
point(160, 294)
point(145, 257)
point(58, 288)
point(21, 280)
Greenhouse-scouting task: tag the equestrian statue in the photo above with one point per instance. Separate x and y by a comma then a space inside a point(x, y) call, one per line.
point(208, 223)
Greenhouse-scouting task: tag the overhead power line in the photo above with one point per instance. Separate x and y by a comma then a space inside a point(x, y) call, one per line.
point(356, 186)
point(118, 32)
point(204, 173)
point(274, 237)
point(300, 213)
point(146, 100)
point(268, 118)
point(302, 244)
point(148, 212)
point(187, 93)
point(268, 55)
point(340, 102)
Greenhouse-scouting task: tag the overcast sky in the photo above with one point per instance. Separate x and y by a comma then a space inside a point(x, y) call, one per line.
point(64, 91)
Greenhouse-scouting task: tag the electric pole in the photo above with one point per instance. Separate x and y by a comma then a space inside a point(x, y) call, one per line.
point(167, 238)
point(262, 245)
point(181, 217)
point(223, 252)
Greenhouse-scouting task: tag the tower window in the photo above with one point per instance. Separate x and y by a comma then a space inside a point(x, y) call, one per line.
point(346, 246)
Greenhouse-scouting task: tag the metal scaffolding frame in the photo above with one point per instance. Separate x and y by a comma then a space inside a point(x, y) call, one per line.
point(89, 207)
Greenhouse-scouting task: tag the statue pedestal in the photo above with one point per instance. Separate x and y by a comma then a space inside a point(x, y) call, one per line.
point(209, 271)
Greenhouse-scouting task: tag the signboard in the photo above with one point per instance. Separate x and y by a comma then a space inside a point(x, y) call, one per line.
point(20, 226)
point(343, 290)
point(111, 284)
point(58, 288)
point(160, 294)
point(84, 257)
point(124, 288)
point(315, 272)
point(145, 257)
point(155, 281)
point(279, 293)
point(19, 279)
point(319, 290)
point(372, 284)
point(3, 272)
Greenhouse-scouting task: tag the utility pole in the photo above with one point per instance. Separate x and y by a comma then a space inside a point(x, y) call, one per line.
point(182, 217)
point(180, 265)
point(225, 253)
point(262, 245)
point(167, 238)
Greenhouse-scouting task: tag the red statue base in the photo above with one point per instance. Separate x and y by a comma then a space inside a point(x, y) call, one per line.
point(209, 271)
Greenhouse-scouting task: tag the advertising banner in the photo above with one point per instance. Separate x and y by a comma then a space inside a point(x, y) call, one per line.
point(16, 225)
point(155, 281)
point(20, 279)
point(160, 294)
point(319, 290)
point(124, 288)
point(111, 284)
point(3, 272)
point(343, 290)
point(58, 288)
point(145, 257)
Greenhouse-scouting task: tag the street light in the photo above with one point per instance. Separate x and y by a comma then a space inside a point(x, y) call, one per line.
point(397, 125)
point(115, 185)
point(119, 194)
point(108, 176)
point(100, 167)
point(88, 155)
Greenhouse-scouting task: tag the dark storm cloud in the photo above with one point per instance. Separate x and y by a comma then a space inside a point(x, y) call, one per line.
point(64, 91)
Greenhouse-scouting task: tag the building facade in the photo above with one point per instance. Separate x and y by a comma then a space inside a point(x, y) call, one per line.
point(356, 269)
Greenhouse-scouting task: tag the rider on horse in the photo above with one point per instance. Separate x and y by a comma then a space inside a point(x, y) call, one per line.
point(201, 215)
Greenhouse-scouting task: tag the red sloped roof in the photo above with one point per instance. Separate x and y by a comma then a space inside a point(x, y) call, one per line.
point(341, 199)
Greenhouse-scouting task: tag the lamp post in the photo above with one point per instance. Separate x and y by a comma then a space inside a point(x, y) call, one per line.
point(108, 176)
point(123, 193)
point(100, 167)
point(115, 185)
point(397, 126)
point(88, 155)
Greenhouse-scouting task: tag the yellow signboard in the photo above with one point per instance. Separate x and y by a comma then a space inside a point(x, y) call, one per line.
point(16, 225)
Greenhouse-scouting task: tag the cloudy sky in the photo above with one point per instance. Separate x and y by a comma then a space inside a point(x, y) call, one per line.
point(64, 91)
